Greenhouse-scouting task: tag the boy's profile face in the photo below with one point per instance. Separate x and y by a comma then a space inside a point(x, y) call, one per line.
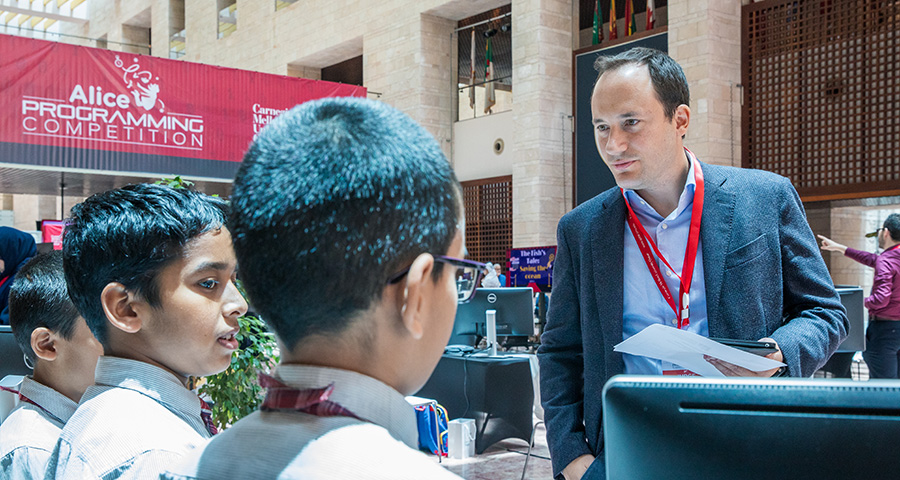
point(191, 332)
point(443, 311)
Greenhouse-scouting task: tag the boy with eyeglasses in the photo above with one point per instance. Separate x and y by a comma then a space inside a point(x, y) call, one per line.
point(355, 183)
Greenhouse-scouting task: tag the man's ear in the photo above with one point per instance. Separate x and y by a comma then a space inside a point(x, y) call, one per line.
point(417, 295)
point(682, 119)
point(43, 343)
point(118, 305)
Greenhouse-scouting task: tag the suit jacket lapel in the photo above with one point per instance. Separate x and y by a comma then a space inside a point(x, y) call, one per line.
point(715, 231)
point(607, 244)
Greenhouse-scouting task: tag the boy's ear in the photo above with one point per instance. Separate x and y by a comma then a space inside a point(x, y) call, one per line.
point(118, 305)
point(43, 343)
point(417, 295)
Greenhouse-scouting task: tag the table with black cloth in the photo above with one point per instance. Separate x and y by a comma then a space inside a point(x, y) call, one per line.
point(495, 391)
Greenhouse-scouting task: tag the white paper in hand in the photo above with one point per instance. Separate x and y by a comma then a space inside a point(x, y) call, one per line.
point(686, 349)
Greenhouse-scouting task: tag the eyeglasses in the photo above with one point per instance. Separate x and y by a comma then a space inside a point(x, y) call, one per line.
point(468, 274)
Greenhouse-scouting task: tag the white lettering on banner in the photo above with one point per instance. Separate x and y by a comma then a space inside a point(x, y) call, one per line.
point(263, 115)
point(94, 114)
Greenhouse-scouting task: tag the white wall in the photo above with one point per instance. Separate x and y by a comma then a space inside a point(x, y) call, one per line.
point(473, 147)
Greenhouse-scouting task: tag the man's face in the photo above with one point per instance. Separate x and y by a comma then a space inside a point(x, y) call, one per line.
point(192, 331)
point(497, 269)
point(641, 147)
point(883, 235)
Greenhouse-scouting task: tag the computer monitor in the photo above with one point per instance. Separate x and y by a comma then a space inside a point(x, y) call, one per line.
point(515, 316)
point(740, 428)
point(852, 299)
point(12, 361)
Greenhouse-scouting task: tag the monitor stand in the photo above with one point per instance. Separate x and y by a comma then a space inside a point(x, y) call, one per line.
point(491, 317)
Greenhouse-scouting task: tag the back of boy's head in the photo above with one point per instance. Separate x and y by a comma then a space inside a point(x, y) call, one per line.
point(39, 298)
point(128, 235)
point(333, 198)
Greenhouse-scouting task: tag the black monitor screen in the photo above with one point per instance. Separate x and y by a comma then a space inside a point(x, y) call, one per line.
point(515, 314)
point(740, 428)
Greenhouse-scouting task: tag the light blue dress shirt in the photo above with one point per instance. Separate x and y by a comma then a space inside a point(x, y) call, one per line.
point(643, 304)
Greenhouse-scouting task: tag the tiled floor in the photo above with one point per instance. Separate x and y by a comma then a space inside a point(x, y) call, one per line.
point(505, 460)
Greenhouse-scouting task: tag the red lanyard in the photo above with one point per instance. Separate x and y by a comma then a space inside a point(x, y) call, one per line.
point(645, 243)
point(25, 399)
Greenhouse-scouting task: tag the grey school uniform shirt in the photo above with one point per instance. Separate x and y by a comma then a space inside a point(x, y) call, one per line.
point(133, 423)
point(294, 445)
point(29, 433)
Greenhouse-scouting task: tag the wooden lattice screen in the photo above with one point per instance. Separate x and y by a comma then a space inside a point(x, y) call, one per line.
point(488, 204)
point(822, 94)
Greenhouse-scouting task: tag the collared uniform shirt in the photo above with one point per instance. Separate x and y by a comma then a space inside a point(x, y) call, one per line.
point(643, 304)
point(29, 433)
point(294, 445)
point(134, 422)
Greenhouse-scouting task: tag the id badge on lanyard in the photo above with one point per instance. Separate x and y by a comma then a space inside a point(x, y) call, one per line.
point(648, 249)
point(649, 252)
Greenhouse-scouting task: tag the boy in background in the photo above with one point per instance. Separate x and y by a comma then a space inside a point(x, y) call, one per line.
point(152, 271)
point(354, 183)
point(55, 339)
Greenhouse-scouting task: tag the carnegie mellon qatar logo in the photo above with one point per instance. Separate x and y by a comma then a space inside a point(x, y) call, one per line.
point(103, 113)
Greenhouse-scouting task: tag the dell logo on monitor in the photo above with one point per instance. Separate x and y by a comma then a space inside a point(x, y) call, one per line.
point(492, 297)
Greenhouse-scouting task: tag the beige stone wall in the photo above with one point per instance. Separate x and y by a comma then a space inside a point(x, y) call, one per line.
point(705, 38)
point(542, 100)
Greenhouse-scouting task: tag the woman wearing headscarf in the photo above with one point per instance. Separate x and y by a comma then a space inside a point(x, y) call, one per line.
point(16, 248)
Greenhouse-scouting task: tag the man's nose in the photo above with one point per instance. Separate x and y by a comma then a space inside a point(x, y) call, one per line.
point(615, 142)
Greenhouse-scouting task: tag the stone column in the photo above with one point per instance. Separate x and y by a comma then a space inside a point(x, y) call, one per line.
point(409, 63)
point(542, 102)
point(705, 38)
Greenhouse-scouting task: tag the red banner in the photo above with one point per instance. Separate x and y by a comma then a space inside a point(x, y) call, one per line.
point(78, 104)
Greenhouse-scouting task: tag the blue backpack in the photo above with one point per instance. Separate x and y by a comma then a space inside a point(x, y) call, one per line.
point(432, 422)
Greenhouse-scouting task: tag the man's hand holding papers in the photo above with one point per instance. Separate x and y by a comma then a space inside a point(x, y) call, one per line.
point(699, 354)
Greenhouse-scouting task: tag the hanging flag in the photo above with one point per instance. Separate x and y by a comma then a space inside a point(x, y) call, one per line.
point(598, 24)
point(630, 26)
point(651, 16)
point(489, 97)
point(472, 73)
point(613, 27)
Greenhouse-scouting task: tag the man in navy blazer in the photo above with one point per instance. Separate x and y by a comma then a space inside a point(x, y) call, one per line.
point(759, 272)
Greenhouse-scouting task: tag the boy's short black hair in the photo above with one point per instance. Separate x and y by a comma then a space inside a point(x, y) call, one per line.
point(669, 82)
point(128, 235)
point(333, 198)
point(39, 298)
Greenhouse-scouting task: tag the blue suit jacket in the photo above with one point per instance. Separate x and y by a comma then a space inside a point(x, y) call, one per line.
point(764, 277)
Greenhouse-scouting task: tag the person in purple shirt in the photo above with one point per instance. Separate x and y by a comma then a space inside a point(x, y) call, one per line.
point(882, 353)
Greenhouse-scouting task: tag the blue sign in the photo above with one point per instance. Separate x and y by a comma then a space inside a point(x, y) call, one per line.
point(531, 265)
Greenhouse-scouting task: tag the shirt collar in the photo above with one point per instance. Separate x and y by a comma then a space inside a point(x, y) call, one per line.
point(368, 398)
point(684, 201)
point(49, 400)
point(151, 381)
